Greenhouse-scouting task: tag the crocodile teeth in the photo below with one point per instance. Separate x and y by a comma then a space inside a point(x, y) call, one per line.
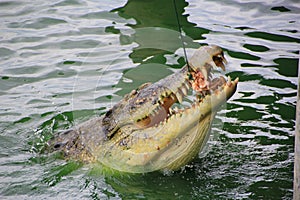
point(184, 90)
point(229, 81)
point(173, 96)
point(166, 93)
point(176, 109)
point(179, 96)
point(187, 85)
point(171, 111)
point(213, 65)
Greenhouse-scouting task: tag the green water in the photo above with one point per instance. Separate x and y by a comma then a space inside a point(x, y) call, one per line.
point(65, 61)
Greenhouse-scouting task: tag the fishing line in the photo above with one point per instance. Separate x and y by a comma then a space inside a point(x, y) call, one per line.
point(181, 36)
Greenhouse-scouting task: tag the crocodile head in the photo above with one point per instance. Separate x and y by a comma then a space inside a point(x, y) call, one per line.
point(154, 128)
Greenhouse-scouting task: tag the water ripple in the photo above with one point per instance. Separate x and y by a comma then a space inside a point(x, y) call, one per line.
point(65, 61)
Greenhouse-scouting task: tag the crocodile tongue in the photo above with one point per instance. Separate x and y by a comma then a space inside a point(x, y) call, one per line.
point(159, 114)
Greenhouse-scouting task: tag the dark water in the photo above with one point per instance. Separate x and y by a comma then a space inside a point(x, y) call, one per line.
point(63, 62)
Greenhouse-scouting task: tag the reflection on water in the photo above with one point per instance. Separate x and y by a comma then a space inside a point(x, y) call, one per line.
point(66, 60)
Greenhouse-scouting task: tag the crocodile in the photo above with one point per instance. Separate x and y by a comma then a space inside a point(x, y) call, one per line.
point(146, 131)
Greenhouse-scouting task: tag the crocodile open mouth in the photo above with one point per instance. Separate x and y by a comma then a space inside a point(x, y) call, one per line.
point(200, 82)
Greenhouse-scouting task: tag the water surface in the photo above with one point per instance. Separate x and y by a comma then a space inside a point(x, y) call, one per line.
point(65, 61)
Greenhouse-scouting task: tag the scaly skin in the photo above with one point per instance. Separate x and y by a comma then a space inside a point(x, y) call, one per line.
point(141, 133)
